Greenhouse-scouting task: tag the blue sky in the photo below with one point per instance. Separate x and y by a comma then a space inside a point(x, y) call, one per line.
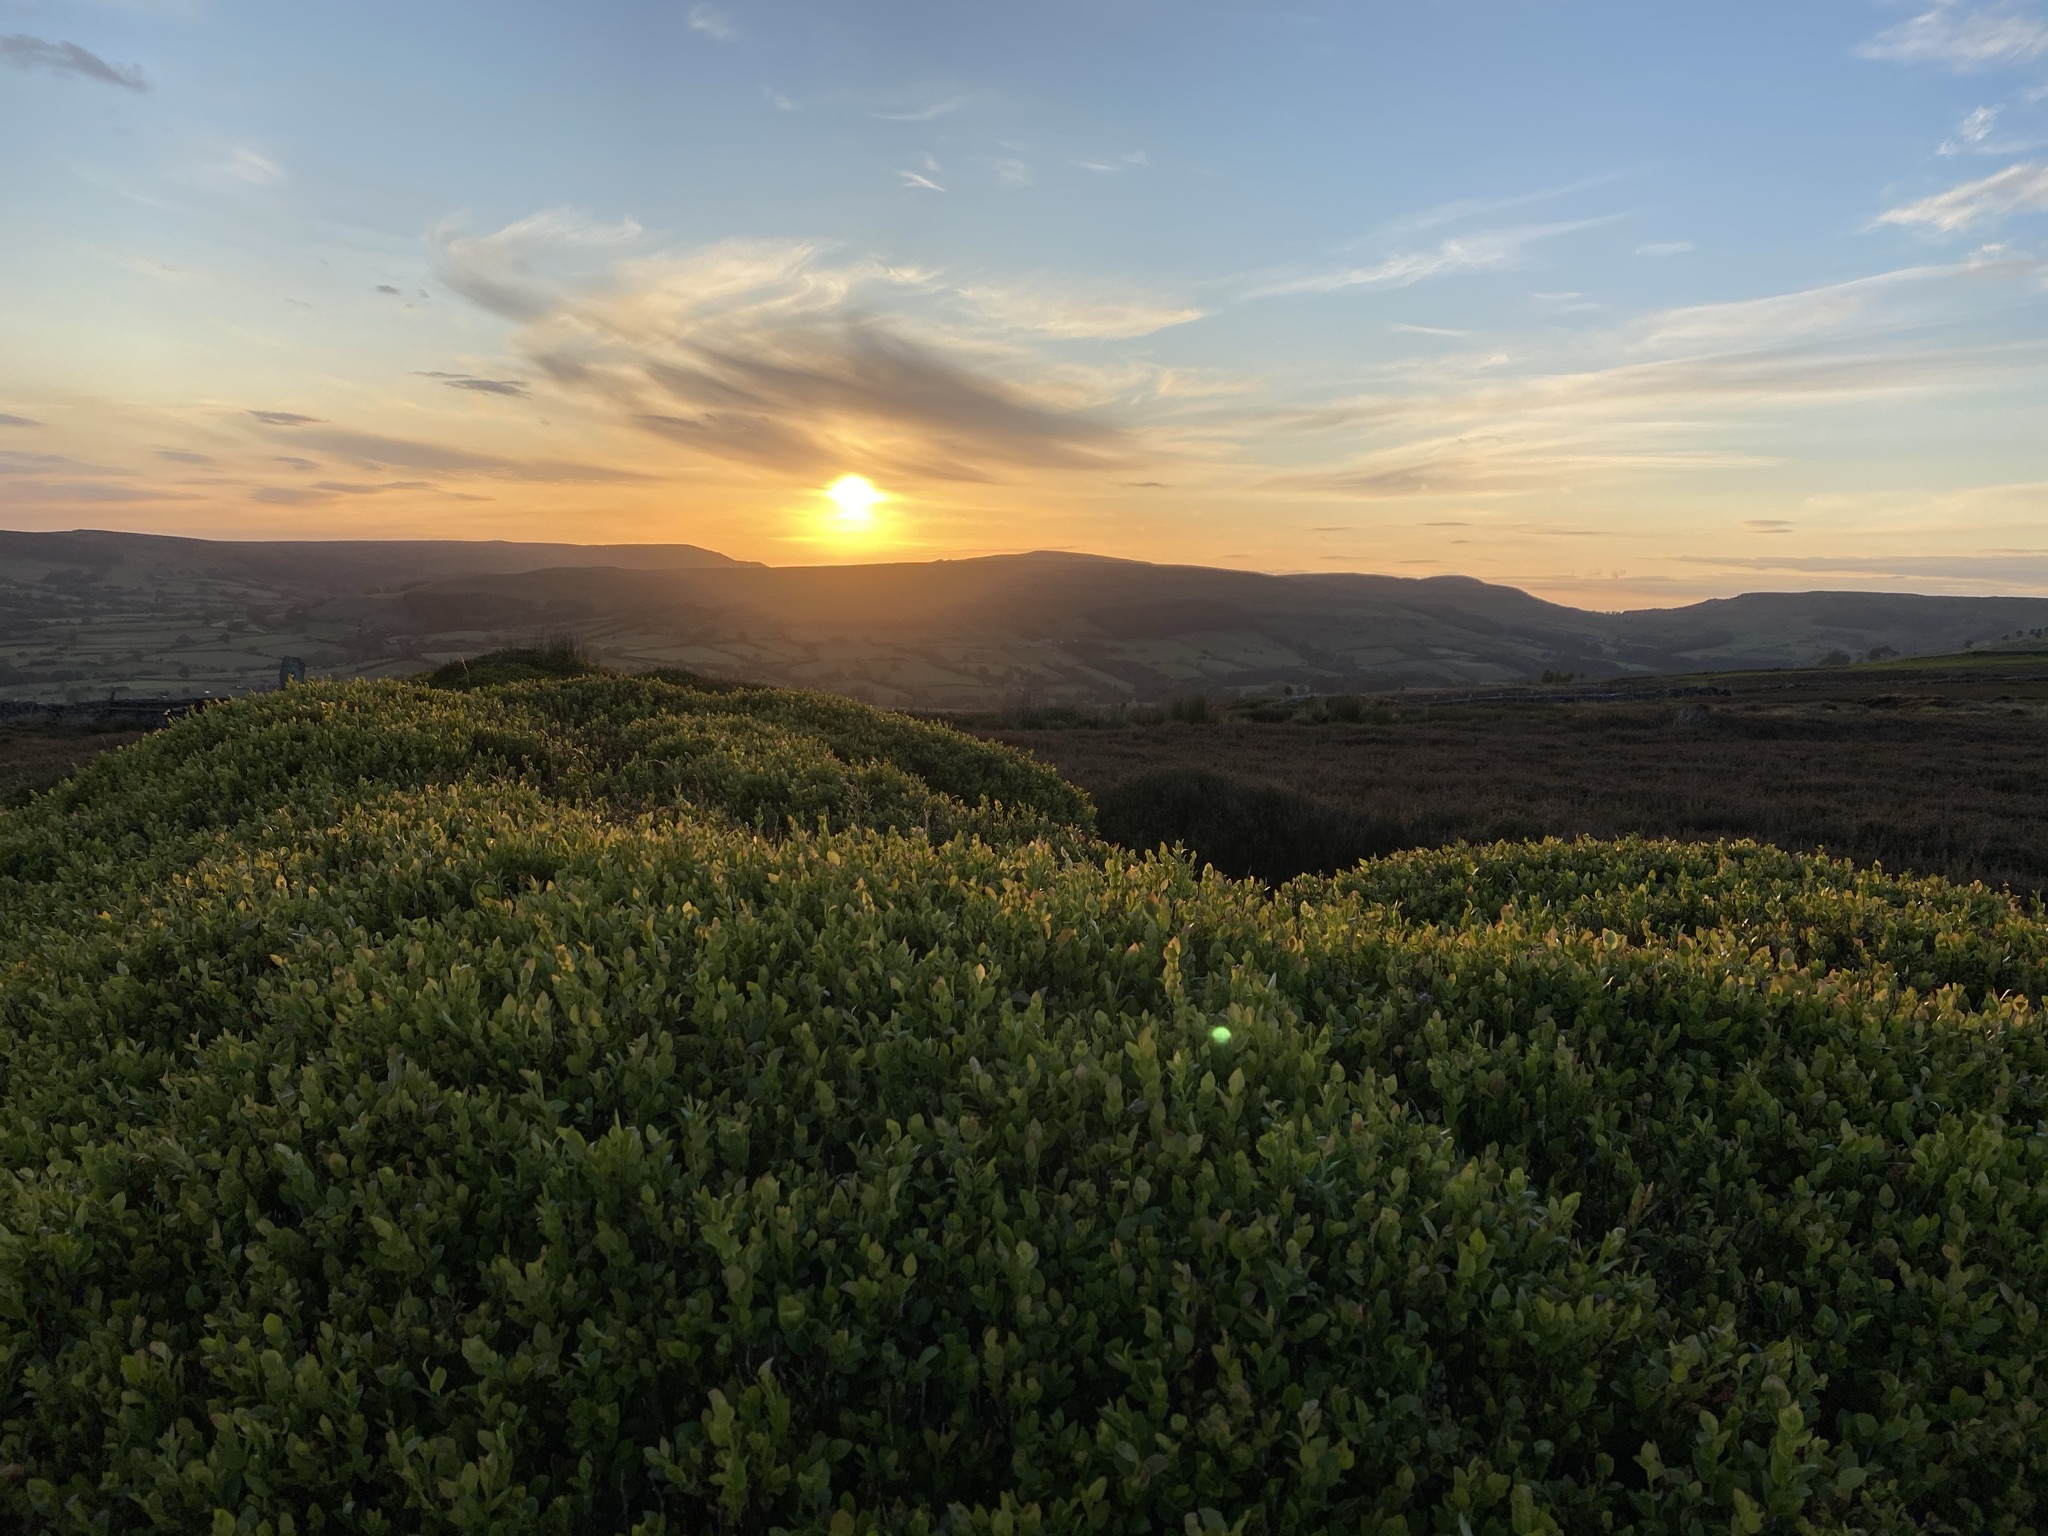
point(1623, 303)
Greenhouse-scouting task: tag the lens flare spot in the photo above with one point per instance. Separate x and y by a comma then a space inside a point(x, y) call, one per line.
point(1220, 1034)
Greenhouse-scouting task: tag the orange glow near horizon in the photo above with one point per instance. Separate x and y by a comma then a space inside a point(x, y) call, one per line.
point(853, 520)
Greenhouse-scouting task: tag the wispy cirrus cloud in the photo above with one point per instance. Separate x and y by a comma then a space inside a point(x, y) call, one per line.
point(1972, 132)
point(2016, 189)
point(516, 388)
point(25, 52)
point(773, 355)
point(1126, 161)
point(1058, 312)
point(17, 421)
point(1494, 250)
point(930, 111)
point(1509, 463)
point(502, 271)
point(1964, 36)
point(1904, 295)
point(372, 450)
point(712, 22)
point(237, 165)
point(1460, 210)
point(15, 462)
point(1682, 395)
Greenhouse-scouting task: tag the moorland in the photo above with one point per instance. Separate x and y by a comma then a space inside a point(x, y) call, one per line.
point(1925, 766)
point(1934, 766)
point(529, 1098)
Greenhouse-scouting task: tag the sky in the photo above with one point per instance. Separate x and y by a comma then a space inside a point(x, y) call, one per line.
point(1625, 304)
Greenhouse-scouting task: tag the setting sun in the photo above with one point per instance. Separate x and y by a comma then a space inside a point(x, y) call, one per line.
point(856, 498)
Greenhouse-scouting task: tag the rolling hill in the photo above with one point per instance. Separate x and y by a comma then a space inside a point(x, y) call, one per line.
point(98, 610)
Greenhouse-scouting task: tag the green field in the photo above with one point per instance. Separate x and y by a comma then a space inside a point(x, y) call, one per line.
point(510, 1102)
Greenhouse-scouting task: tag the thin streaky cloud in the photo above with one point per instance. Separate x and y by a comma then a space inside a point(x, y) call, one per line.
point(1976, 128)
point(2019, 188)
point(1963, 36)
point(17, 463)
point(88, 491)
point(469, 381)
point(912, 179)
point(1076, 316)
point(1664, 248)
point(1502, 464)
point(25, 52)
point(1426, 330)
point(712, 22)
point(17, 421)
point(925, 114)
point(1498, 250)
point(1894, 297)
point(284, 418)
point(375, 449)
point(1480, 207)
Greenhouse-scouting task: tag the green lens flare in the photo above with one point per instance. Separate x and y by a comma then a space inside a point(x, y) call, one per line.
point(1220, 1034)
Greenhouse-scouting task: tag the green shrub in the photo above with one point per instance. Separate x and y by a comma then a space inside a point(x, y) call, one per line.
point(605, 1104)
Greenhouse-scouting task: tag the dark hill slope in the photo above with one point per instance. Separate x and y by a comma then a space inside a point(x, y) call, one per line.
point(1083, 629)
point(87, 611)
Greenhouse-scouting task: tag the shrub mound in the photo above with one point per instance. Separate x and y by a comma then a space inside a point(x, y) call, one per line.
point(607, 1104)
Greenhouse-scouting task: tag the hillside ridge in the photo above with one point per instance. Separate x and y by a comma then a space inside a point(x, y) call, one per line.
point(150, 615)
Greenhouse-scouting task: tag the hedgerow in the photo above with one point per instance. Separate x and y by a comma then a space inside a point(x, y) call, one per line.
point(607, 1104)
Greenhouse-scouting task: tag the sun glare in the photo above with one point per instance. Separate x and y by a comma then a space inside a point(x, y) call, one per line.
point(856, 498)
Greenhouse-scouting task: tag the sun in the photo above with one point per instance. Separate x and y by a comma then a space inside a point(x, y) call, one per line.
point(856, 498)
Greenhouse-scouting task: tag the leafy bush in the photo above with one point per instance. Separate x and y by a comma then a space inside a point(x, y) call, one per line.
point(605, 1104)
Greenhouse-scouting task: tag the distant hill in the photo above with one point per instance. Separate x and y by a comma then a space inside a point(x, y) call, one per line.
point(967, 633)
point(91, 610)
point(97, 610)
